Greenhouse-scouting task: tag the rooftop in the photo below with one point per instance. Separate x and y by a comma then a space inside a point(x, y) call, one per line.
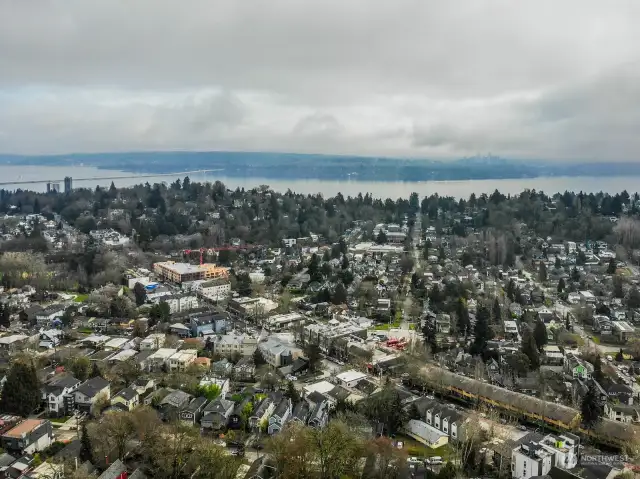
point(24, 427)
point(351, 375)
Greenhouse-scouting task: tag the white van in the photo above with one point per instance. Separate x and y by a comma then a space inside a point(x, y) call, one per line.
point(434, 461)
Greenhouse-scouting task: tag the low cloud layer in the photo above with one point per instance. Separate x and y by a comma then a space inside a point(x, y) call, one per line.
point(412, 78)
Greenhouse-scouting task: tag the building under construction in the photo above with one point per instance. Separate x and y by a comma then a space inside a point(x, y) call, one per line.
point(184, 272)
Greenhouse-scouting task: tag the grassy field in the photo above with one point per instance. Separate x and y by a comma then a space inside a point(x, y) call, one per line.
point(81, 298)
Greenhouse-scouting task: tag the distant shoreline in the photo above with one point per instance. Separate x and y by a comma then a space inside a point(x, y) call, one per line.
point(289, 166)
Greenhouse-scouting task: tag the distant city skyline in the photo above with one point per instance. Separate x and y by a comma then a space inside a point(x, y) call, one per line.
point(410, 78)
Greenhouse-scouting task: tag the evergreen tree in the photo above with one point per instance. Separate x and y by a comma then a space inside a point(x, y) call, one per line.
point(618, 291)
point(611, 269)
point(598, 375)
point(511, 290)
point(542, 272)
point(497, 311)
point(86, 449)
point(95, 371)
point(345, 262)
point(5, 315)
point(140, 293)
point(381, 238)
point(314, 268)
point(530, 349)
point(561, 285)
point(258, 358)
point(482, 331)
point(619, 357)
point(292, 393)
point(591, 408)
point(464, 324)
point(339, 294)
point(429, 334)
point(21, 390)
point(633, 301)
point(540, 334)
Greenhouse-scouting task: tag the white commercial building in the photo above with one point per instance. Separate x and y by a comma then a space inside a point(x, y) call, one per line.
point(350, 378)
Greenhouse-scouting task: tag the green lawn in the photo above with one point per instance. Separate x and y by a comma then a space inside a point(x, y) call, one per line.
point(415, 448)
point(81, 298)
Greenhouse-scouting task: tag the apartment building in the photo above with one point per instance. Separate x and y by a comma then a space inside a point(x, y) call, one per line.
point(184, 272)
point(180, 360)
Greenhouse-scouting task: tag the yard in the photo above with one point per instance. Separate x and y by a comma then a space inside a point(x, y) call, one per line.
point(417, 449)
point(80, 298)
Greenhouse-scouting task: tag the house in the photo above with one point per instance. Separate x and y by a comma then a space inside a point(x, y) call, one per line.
point(301, 412)
point(142, 385)
point(228, 344)
point(579, 388)
point(160, 358)
point(237, 417)
point(128, 398)
point(222, 368)
point(180, 330)
point(13, 342)
point(90, 391)
point(216, 414)
point(350, 378)
point(152, 342)
point(621, 412)
point(577, 368)
point(28, 315)
point(426, 434)
point(621, 392)
point(622, 330)
point(552, 355)
point(207, 324)
point(602, 324)
point(45, 317)
point(587, 297)
point(319, 415)
point(244, 370)
point(55, 391)
point(280, 416)
point(50, 338)
point(278, 353)
point(222, 383)
point(28, 436)
point(192, 413)
point(173, 403)
point(180, 360)
point(511, 330)
point(260, 416)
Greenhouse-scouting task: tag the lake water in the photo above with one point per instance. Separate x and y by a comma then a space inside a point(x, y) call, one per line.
point(391, 189)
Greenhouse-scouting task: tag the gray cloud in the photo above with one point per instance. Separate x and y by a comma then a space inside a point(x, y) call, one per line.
point(410, 77)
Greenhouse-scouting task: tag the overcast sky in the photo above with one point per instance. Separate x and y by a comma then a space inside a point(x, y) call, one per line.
point(437, 79)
